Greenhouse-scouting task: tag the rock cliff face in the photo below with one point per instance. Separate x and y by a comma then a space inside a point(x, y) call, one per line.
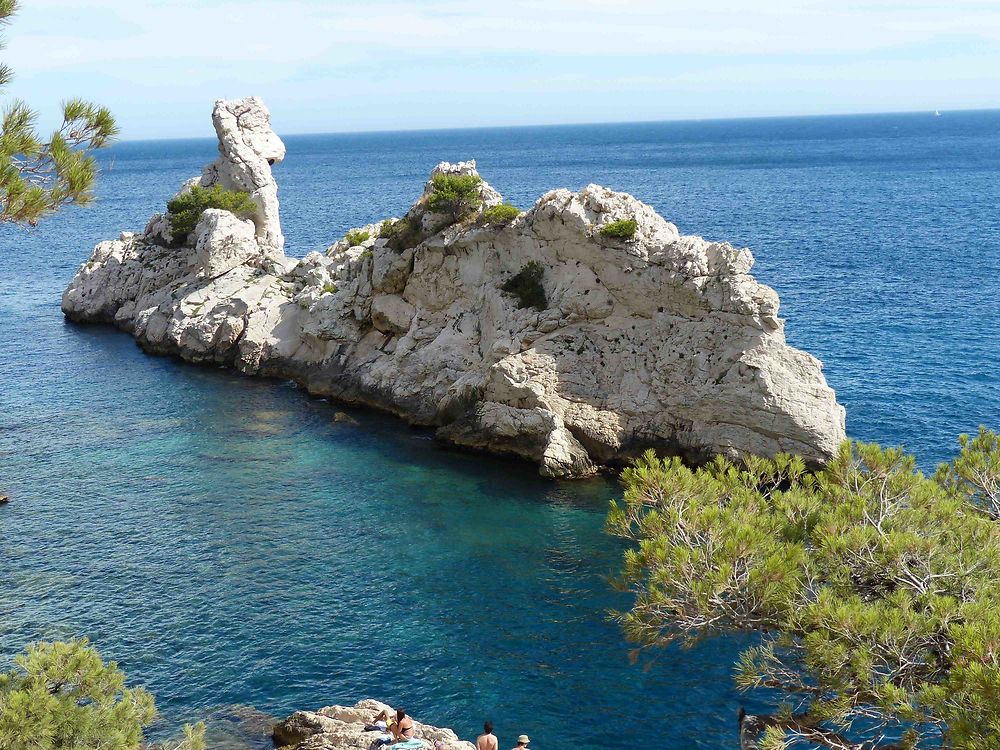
point(342, 728)
point(651, 340)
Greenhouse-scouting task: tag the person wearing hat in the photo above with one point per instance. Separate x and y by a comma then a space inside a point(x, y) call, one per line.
point(522, 742)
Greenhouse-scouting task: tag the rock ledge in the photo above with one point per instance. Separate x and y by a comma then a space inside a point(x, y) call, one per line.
point(342, 728)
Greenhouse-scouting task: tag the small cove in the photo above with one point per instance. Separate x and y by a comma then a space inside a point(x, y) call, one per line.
point(230, 543)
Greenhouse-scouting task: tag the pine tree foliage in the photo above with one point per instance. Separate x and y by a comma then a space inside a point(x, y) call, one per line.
point(62, 696)
point(873, 590)
point(454, 194)
point(38, 176)
point(194, 739)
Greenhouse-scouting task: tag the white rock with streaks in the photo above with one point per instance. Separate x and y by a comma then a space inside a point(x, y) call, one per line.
point(248, 148)
point(343, 728)
point(392, 314)
point(223, 242)
point(659, 340)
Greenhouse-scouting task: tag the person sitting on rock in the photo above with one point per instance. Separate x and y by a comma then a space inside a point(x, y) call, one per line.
point(487, 740)
point(380, 723)
point(402, 728)
point(522, 742)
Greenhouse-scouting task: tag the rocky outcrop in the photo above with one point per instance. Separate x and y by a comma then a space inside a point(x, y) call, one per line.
point(248, 148)
point(343, 728)
point(650, 340)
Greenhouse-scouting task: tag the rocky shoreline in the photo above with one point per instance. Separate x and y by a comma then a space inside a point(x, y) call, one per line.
point(343, 728)
point(650, 339)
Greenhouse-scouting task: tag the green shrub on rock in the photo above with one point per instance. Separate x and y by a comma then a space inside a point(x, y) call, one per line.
point(505, 213)
point(390, 230)
point(454, 194)
point(185, 210)
point(404, 233)
point(526, 285)
point(623, 229)
point(356, 237)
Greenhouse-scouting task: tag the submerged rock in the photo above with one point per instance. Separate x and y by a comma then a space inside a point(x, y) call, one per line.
point(342, 728)
point(605, 344)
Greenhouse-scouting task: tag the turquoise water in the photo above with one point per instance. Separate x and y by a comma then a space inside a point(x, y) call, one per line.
point(231, 544)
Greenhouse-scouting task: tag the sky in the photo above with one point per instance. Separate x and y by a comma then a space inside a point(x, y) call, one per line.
point(330, 66)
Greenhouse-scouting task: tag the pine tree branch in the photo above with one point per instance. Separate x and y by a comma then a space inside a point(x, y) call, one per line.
point(805, 727)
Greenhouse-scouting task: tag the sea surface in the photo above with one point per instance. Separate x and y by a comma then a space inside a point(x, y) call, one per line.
point(231, 545)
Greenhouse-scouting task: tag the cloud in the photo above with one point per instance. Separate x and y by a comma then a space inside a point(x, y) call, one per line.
point(295, 32)
point(184, 52)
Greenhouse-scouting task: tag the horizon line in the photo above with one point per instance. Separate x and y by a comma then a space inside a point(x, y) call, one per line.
point(584, 124)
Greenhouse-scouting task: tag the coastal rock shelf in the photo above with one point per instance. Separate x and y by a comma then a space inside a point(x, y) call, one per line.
point(342, 728)
point(645, 339)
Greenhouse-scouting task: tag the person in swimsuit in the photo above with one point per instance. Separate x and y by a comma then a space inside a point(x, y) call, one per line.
point(522, 742)
point(402, 729)
point(487, 740)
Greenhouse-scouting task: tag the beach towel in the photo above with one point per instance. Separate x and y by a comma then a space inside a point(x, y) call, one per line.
point(386, 741)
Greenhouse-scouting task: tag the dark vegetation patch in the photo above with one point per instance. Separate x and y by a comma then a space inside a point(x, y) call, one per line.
point(526, 285)
point(403, 233)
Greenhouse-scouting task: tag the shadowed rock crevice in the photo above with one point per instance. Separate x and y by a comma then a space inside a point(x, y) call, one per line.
point(653, 340)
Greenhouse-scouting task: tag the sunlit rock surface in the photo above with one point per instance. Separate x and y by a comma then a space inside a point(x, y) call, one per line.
point(657, 340)
point(343, 728)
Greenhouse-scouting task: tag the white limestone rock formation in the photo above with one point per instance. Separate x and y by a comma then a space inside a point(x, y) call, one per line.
point(248, 148)
point(656, 340)
point(222, 242)
point(342, 728)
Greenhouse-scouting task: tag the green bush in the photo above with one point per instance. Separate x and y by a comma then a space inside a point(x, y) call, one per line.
point(356, 237)
point(187, 208)
point(329, 288)
point(623, 229)
point(502, 214)
point(526, 285)
point(407, 232)
point(454, 194)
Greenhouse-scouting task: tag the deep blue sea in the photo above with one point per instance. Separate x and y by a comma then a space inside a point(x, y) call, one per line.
point(231, 545)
